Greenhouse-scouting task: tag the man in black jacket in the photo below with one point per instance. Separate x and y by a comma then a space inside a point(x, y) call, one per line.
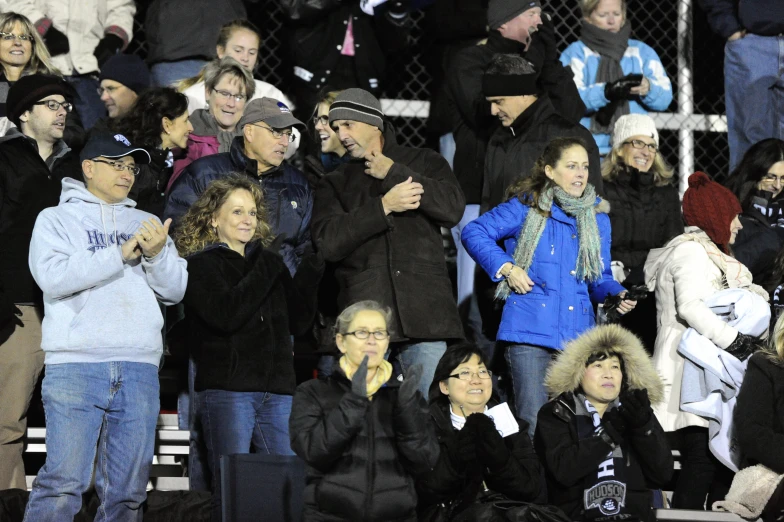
point(379, 219)
point(528, 123)
point(32, 163)
point(753, 83)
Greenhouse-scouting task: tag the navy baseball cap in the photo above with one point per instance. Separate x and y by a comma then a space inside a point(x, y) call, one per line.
point(111, 145)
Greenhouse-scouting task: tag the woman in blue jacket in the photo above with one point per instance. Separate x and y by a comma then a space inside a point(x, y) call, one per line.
point(555, 261)
point(615, 75)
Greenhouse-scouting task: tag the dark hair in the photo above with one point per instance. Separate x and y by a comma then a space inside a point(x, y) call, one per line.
point(453, 357)
point(753, 167)
point(605, 353)
point(509, 64)
point(529, 189)
point(143, 125)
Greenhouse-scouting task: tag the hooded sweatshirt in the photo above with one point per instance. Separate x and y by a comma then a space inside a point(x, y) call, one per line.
point(99, 308)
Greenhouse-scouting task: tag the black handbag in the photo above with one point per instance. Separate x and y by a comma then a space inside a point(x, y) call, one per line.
point(495, 507)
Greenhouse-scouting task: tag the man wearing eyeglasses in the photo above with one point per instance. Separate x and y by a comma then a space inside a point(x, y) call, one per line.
point(33, 160)
point(267, 129)
point(104, 267)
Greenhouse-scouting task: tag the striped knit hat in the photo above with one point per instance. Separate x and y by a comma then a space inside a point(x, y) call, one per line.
point(357, 105)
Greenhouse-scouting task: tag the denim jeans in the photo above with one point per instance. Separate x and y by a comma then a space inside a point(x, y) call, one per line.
point(425, 353)
point(108, 408)
point(527, 367)
point(446, 146)
point(165, 74)
point(188, 418)
point(754, 90)
point(88, 102)
point(236, 422)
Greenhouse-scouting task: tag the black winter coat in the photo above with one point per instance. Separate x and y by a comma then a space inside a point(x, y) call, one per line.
point(362, 455)
point(567, 460)
point(757, 245)
point(397, 260)
point(759, 413)
point(451, 484)
point(27, 186)
point(642, 215)
point(242, 312)
point(513, 151)
point(472, 122)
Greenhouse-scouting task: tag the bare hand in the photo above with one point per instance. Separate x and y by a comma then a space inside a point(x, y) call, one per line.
point(377, 164)
point(737, 35)
point(519, 281)
point(404, 196)
point(152, 236)
point(643, 89)
point(626, 305)
point(131, 250)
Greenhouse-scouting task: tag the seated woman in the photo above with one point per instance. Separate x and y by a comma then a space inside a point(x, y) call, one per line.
point(473, 452)
point(242, 308)
point(362, 435)
point(600, 443)
point(614, 73)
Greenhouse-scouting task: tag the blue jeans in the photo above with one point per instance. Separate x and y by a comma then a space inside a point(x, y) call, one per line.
point(527, 368)
point(88, 103)
point(165, 74)
point(425, 353)
point(188, 418)
point(108, 408)
point(236, 422)
point(446, 146)
point(754, 92)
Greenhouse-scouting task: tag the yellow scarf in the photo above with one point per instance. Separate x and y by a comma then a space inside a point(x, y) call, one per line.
point(383, 373)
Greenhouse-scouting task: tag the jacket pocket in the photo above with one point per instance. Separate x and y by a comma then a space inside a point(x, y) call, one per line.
point(529, 314)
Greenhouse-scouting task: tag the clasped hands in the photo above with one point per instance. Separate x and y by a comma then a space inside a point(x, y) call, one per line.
point(149, 240)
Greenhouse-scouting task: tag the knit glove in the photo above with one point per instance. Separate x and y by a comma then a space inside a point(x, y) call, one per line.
point(491, 447)
point(462, 450)
point(621, 89)
point(56, 42)
point(109, 45)
point(359, 380)
point(310, 270)
point(636, 408)
point(410, 385)
point(614, 425)
point(744, 345)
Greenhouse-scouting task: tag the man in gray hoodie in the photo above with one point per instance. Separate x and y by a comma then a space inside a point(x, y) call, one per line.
point(103, 267)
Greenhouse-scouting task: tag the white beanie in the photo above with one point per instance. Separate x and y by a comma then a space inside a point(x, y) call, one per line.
point(630, 125)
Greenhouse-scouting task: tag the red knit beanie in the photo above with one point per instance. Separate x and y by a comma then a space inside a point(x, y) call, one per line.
point(710, 206)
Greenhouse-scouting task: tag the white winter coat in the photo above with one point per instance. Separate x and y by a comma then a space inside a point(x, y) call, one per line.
point(84, 22)
point(684, 276)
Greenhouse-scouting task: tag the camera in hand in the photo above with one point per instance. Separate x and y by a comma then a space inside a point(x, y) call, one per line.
point(611, 302)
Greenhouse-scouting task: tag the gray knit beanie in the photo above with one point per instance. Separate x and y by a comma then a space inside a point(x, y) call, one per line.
point(501, 11)
point(357, 105)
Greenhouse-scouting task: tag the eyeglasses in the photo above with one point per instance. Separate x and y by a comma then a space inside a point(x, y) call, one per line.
point(465, 375)
point(9, 37)
point(277, 134)
point(378, 335)
point(637, 144)
point(119, 167)
point(54, 105)
point(226, 95)
point(324, 120)
point(772, 178)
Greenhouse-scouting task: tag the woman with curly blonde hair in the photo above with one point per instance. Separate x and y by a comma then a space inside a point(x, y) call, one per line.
point(242, 307)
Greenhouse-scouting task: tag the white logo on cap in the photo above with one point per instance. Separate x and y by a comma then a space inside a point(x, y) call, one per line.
point(122, 139)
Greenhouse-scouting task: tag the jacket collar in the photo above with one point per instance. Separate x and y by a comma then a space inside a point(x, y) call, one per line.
point(498, 44)
point(250, 166)
point(633, 178)
point(527, 121)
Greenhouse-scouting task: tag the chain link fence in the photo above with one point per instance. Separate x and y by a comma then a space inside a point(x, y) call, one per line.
point(692, 131)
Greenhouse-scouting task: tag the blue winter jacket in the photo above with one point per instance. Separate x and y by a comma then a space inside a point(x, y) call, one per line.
point(288, 196)
point(639, 58)
point(558, 308)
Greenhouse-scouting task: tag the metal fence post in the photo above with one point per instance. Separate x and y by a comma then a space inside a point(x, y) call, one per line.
point(685, 94)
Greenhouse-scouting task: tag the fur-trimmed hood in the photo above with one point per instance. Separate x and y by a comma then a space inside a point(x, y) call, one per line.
point(566, 373)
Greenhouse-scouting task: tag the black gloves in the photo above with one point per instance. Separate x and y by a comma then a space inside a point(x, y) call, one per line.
point(744, 345)
point(621, 89)
point(636, 408)
point(462, 451)
point(109, 45)
point(490, 445)
point(310, 270)
point(614, 425)
point(611, 302)
point(56, 42)
point(410, 385)
point(359, 380)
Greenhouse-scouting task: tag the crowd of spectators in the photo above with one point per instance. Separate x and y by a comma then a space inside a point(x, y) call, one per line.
point(597, 321)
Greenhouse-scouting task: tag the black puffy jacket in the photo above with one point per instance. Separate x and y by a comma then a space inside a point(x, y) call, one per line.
point(448, 484)
point(361, 455)
point(642, 215)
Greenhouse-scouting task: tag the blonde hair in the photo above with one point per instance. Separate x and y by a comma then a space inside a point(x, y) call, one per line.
point(195, 231)
point(40, 61)
point(589, 6)
point(775, 349)
point(613, 164)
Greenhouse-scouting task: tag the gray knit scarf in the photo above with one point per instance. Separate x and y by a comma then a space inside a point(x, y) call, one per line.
point(204, 124)
point(589, 263)
point(611, 47)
